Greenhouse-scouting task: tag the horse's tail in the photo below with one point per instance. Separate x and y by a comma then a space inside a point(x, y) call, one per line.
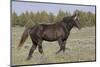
point(24, 37)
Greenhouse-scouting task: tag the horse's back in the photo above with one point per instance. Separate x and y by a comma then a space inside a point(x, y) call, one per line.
point(53, 32)
point(36, 30)
point(49, 32)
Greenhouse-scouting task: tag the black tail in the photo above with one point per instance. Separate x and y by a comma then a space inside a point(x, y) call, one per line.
point(24, 37)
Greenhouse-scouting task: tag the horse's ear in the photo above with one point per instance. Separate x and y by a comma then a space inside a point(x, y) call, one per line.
point(74, 16)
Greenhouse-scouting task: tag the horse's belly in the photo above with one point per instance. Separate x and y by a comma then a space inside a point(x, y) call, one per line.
point(53, 33)
point(52, 36)
point(49, 37)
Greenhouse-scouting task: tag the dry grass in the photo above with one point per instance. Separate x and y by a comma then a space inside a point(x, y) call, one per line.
point(80, 47)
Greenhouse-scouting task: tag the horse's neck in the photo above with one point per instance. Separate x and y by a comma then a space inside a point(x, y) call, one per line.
point(69, 26)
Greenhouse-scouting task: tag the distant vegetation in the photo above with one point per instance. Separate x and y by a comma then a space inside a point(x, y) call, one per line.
point(29, 19)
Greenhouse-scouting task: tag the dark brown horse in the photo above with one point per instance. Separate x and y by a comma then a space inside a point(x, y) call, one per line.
point(50, 32)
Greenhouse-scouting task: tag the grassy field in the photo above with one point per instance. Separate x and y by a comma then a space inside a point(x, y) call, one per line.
point(80, 47)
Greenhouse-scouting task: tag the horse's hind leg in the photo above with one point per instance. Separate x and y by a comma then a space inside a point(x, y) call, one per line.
point(40, 46)
point(31, 51)
point(63, 46)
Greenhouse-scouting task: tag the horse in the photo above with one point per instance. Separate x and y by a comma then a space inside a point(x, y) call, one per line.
point(58, 31)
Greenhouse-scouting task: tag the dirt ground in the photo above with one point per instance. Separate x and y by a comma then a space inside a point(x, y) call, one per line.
point(80, 46)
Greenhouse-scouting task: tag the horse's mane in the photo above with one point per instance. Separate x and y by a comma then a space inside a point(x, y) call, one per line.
point(66, 19)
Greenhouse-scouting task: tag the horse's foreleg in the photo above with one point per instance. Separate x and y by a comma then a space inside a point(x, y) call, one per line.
point(59, 50)
point(62, 46)
point(60, 42)
point(31, 51)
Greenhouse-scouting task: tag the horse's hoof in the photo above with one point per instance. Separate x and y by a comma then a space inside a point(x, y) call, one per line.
point(28, 58)
point(18, 48)
point(57, 53)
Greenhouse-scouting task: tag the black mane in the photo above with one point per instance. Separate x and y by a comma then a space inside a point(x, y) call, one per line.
point(66, 19)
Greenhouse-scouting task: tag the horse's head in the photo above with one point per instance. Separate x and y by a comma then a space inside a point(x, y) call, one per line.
point(76, 20)
point(72, 21)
